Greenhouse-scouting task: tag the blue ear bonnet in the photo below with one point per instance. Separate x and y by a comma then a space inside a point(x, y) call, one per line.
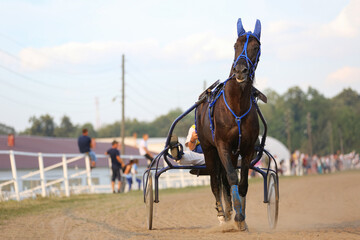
point(243, 55)
point(257, 30)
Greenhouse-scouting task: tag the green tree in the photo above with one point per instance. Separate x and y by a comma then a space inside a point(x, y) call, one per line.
point(157, 128)
point(4, 129)
point(332, 120)
point(66, 128)
point(42, 126)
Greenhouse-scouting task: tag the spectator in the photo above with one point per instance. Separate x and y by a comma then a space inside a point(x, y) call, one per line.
point(116, 164)
point(282, 167)
point(85, 144)
point(11, 140)
point(143, 149)
point(134, 171)
point(127, 173)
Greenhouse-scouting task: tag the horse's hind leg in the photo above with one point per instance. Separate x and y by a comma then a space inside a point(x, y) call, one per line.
point(226, 196)
point(212, 163)
point(216, 189)
point(243, 185)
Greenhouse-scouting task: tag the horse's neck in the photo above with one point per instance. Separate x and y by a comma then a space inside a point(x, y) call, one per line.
point(238, 96)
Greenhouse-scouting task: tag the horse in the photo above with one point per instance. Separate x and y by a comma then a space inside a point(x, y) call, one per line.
point(228, 126)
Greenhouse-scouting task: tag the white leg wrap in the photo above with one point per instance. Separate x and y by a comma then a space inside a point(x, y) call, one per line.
point(221, 220)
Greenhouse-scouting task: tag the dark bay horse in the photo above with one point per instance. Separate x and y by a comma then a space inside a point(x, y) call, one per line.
point(232, 128)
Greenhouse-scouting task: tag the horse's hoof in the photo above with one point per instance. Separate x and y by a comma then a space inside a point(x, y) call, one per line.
point(239, 218)
point(228, 216)
point(242, 226)
point(221, 220)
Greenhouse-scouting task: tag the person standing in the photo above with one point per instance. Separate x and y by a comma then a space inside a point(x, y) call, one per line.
point(143, 149)
point(116, 165)
point(85, 144)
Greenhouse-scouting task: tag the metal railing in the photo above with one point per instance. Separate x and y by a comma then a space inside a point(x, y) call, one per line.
point(66, 159)
point(177, 179)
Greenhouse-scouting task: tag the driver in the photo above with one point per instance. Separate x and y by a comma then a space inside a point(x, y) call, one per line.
point(193, 157)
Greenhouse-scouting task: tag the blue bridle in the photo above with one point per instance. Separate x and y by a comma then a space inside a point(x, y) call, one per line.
point(243, 55)
point(252, 67)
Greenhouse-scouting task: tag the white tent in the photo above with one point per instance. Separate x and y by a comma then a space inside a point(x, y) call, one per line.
point(279, 152)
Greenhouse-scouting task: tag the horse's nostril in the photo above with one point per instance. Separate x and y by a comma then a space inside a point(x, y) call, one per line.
point(244, 70)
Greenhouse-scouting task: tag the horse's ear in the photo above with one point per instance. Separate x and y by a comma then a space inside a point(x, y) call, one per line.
point(240, 28)
point(257, 30)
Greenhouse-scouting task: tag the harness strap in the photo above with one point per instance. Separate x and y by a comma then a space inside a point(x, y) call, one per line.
point(238, 119)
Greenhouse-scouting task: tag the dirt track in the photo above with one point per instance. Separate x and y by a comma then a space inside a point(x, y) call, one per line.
point(313, 207)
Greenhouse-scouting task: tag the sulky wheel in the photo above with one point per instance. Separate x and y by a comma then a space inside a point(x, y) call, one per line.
point(149, 201)
point(273, 200)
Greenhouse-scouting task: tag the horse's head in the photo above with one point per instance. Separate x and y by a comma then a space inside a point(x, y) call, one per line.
point(247, 53)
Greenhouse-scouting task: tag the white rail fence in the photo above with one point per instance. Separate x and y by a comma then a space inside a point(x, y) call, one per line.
point(47, 185)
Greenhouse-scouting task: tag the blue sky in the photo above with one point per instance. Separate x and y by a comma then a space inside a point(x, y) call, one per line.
point(56, 57)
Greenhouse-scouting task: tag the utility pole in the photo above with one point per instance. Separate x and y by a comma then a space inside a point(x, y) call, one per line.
point(97, 113)
point(204, 86)
point(287, 119)
point(122, 131)
point(308, 118)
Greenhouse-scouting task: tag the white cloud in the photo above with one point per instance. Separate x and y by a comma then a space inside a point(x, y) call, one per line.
point(200, 48)
point(281, 27)
point(297, 40)
point(346, 24)
point(193, 49)
point(346, 75)
point(82, 53)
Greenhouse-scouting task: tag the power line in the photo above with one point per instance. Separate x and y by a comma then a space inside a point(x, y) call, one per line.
point(144, 96)
point(29, 78)
point(146, 108)
point(48, 85)
point(137, 71)
point(66, 72)
point(53, 109)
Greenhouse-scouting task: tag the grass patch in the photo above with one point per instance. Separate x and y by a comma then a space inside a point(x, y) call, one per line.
point(11, 209)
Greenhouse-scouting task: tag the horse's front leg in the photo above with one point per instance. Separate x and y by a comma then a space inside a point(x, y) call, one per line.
point(226, 156)
point(243, 186)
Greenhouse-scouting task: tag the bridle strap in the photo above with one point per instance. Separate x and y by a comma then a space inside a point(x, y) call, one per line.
point(243, 55)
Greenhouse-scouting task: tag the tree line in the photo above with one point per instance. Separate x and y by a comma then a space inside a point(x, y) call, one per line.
point(46, 126)
point(334, 122)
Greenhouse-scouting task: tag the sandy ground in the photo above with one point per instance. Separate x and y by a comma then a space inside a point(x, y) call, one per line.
point(312, 207)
